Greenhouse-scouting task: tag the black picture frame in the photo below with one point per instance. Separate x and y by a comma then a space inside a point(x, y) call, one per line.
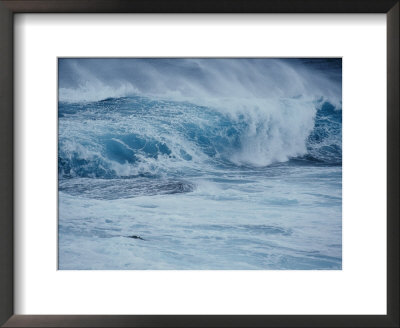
point(7, 10)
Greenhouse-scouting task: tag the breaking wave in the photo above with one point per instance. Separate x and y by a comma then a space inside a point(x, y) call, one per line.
point(186, 117)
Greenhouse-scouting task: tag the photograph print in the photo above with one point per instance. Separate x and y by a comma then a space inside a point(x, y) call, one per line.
point(199, 163)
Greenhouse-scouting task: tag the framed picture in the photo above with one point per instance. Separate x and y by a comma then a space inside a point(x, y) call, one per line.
point(165, 166)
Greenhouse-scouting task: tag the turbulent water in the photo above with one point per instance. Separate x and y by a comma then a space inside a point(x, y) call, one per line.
point(200, 164)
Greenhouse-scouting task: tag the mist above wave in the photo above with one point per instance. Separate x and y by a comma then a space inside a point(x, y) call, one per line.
point(218, 82)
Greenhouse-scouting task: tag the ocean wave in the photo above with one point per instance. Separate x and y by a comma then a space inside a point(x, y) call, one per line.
point(135, 117)
point(138, 136)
